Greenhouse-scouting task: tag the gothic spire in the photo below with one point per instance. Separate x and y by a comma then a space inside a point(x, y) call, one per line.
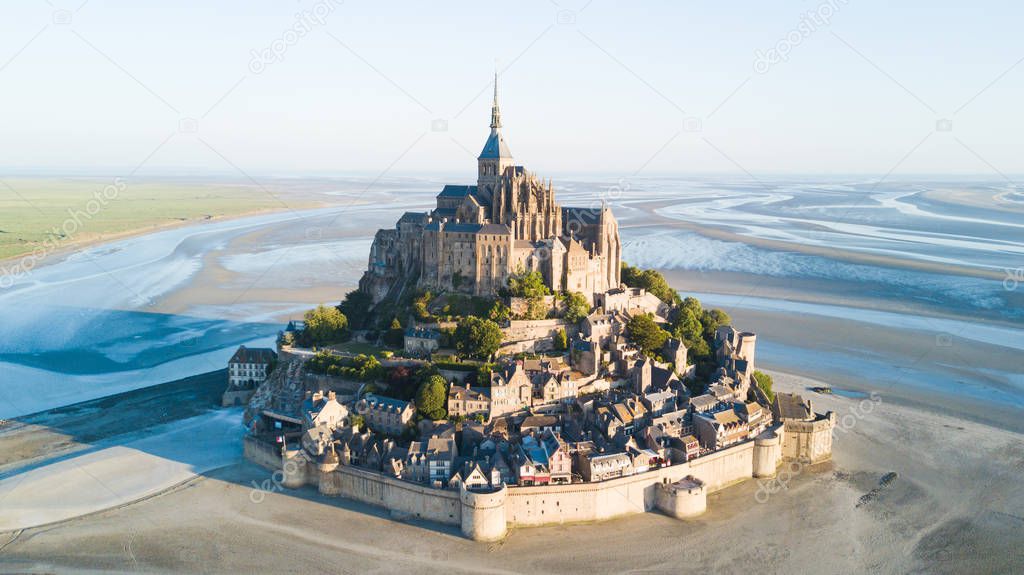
point(495, 113)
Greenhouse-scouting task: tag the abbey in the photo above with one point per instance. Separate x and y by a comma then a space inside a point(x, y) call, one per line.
point(479, 235)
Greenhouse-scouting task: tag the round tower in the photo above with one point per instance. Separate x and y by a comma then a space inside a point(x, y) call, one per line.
point(294, 472)
point(683, 499)
point(483, 513)
point(767, 452)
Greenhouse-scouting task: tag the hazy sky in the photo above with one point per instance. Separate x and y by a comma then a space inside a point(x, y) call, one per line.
point(601, 87)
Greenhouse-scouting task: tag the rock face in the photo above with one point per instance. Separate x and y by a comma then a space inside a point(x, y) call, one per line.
point(282, 392)
point(477, 236)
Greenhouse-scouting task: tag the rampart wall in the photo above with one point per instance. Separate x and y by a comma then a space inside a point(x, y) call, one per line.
point(487, 516)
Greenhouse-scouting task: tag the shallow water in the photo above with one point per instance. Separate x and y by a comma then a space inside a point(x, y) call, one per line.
point(175, 303)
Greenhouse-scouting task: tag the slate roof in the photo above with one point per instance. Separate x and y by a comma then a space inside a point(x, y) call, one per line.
point(455, 191)
point(253, 355)
point(792, 406)
point(413, 217)
point(422, 333)
point(495, 147)
point(494, 229)
point(585, 216)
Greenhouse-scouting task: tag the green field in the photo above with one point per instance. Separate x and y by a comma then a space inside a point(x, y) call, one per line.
point(53, 213)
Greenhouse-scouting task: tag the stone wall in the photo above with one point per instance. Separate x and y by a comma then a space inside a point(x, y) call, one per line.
point(487, 516)
point(534, 335)
point(809, 441)
point(261, 453)
point(403, 499)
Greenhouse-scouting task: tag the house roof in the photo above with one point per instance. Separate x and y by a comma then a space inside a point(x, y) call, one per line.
point(792, 406)
point(253, 355)
point(538, 421)
point(459, 392)
point(703, 402)
point(422, 333)
point(380, 401)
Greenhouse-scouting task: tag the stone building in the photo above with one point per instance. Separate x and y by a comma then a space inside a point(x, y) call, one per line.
point(247, 369)
point(808, 435)
point(478, 235)
point(421, 341)
point(468, 402)
point(386, 414)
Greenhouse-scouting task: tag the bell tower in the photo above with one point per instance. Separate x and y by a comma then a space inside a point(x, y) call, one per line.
point(495, 156)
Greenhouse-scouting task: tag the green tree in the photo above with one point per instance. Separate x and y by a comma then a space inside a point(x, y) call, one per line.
point(536, 308)
point(711, 320)
point(576, 307)
point(528, 285)
point(325, 325)
point(432, 398)
point(646, 334)
point(476, 337)
point(650, 280)
point(356, 420)
point(499, 312)
point(764, 381)
point(356, 307)
point(561, 340)
point(395, 335)
point(698, 350)
point(687, 326)
point(693, 305)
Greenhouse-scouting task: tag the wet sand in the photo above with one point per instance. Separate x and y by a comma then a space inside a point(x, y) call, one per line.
point(957, 505)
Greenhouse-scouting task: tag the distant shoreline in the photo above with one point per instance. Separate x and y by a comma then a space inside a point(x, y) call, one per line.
point(62, 252)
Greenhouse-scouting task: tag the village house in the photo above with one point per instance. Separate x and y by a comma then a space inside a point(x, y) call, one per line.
point(468, 402)
point(323, 410)
point(247, 369)
point(511, 390)
point(604, 466)
point(386, 414)
point(720, 429)
point(432, 460)
point(421, 341)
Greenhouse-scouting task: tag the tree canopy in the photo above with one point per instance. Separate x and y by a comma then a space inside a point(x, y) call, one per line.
point(528, 285)
point(650, 280)
point(576, 307)
point(646, 334)
point(764, 381)
point(561, 340)
point(432, 398)
point(476, 337)
point(356, 307)
point(325, 325)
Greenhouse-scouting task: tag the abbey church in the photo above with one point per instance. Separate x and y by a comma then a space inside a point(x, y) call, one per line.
point(477, 236)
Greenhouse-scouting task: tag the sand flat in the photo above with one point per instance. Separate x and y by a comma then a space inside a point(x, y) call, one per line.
point(956, 505)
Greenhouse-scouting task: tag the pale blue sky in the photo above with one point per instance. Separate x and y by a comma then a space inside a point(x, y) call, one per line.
point(601, 87)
